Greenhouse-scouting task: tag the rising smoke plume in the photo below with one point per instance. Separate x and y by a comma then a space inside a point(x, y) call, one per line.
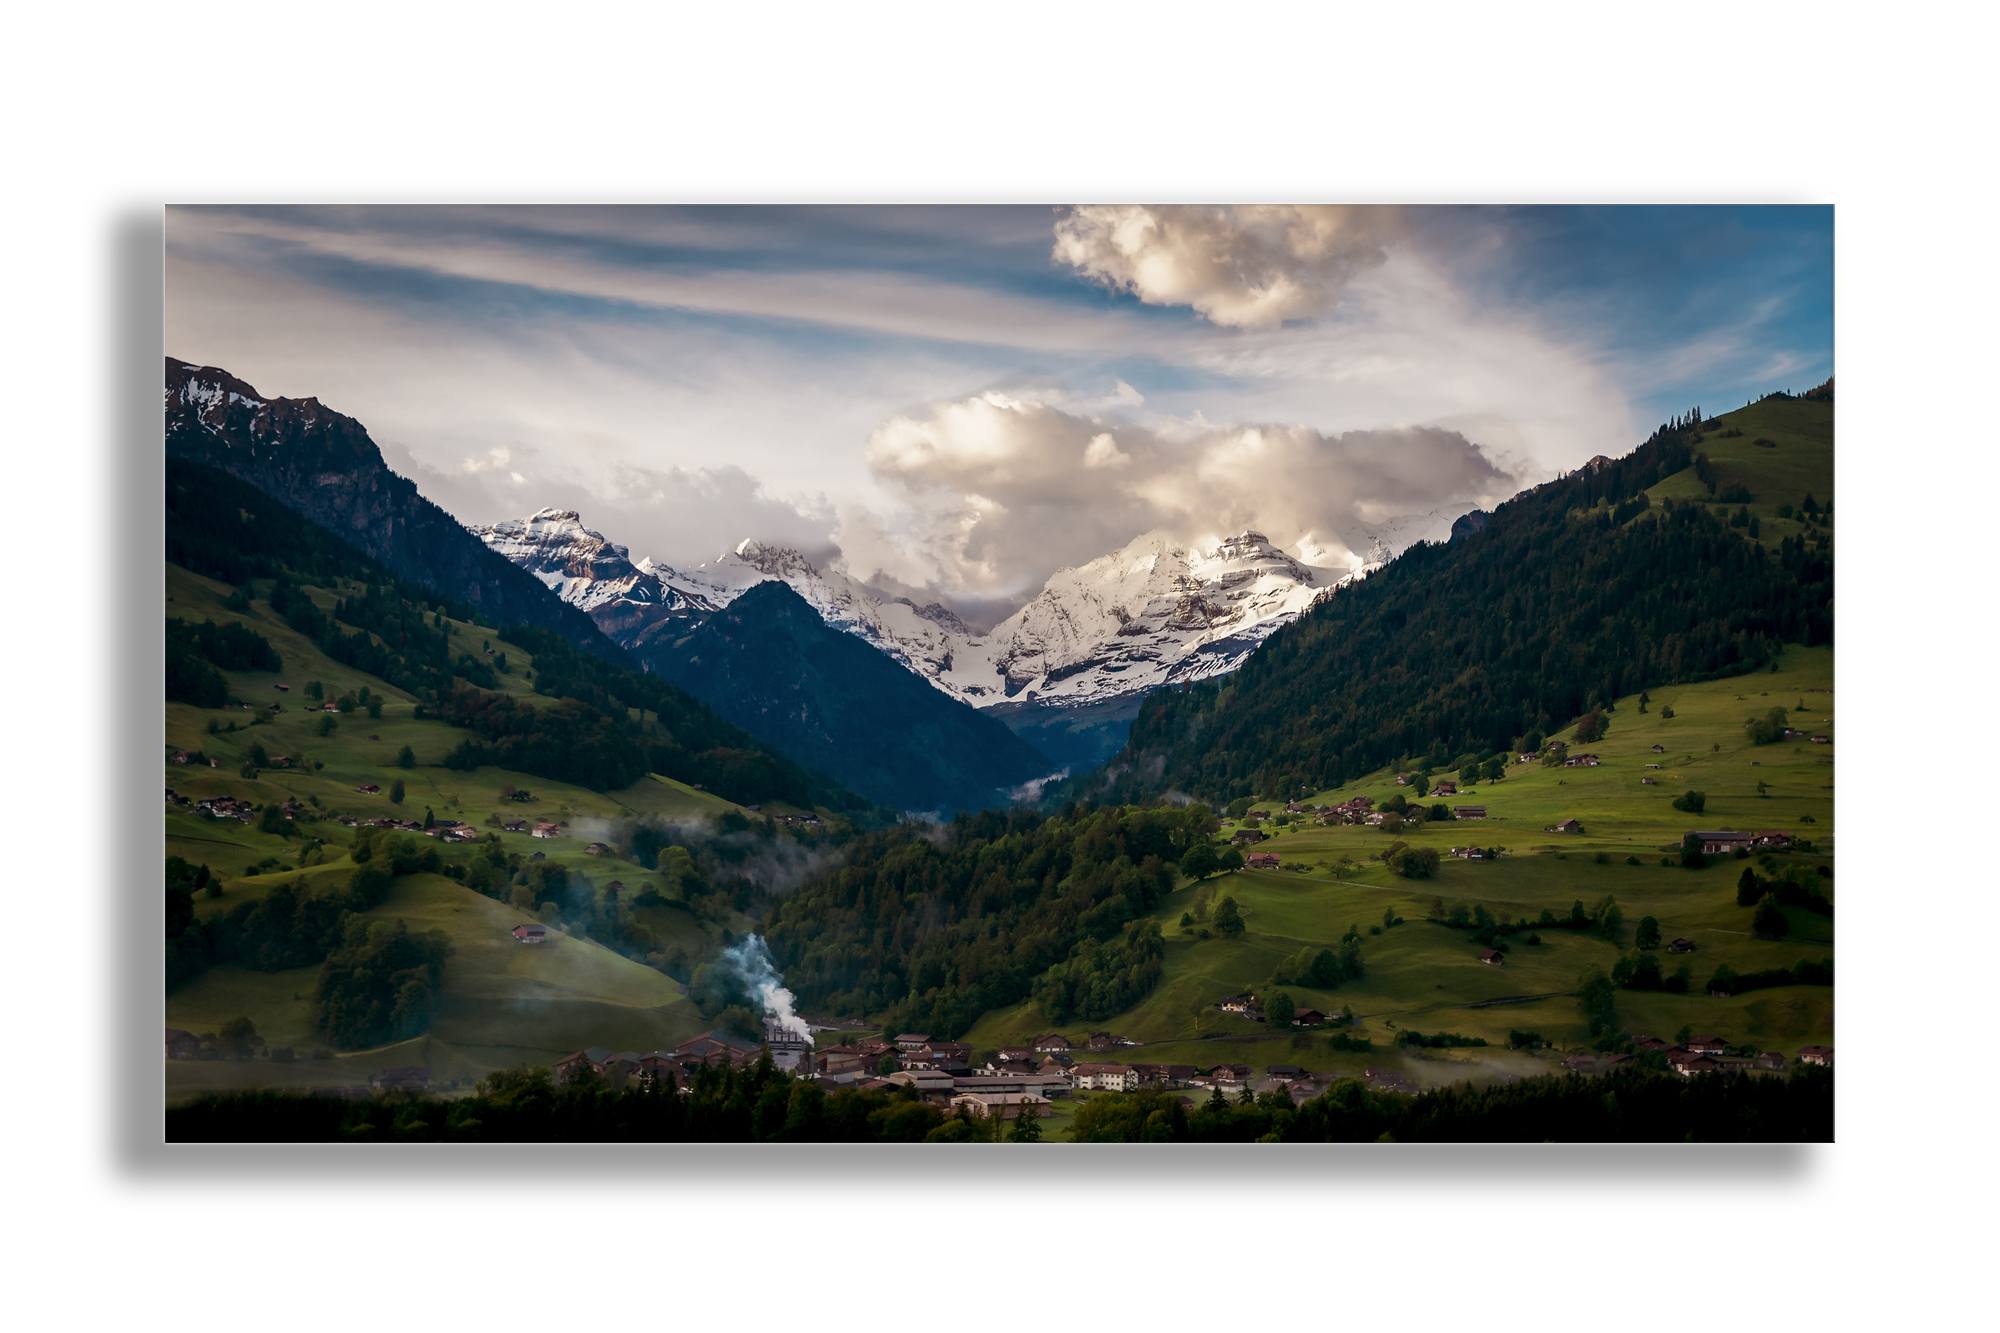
point(752, 963)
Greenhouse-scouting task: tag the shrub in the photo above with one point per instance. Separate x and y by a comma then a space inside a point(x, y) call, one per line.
point(1692, 802)
point(1767, 727)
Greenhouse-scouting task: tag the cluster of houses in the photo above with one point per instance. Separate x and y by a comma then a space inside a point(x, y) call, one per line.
point(175, 798)
point(1014, 1083)
point(227, 807)
point(789, 1051)
point(1727, 842)
point(1352, 811)
point(1698, 1055)
point(444, 830)
point(1248, 1006)
point(183, 757)
point(542, 829)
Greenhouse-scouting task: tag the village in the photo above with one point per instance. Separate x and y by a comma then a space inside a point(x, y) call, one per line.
point(1022, 1080)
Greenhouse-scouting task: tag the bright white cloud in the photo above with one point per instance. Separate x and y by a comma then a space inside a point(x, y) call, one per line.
point(994, 499)
point(1241, 266)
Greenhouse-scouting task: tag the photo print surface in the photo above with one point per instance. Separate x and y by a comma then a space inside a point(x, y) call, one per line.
point(1051, 674)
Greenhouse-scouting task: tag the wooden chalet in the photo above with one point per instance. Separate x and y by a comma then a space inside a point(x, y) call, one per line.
point(182, 1045)
point(402, 1078)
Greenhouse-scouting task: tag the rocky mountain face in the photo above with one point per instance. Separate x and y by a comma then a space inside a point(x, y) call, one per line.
point(629, 603)
point(324, 465)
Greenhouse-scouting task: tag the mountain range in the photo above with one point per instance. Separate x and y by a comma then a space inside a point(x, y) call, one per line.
point(1066, 671)
point(766, 662)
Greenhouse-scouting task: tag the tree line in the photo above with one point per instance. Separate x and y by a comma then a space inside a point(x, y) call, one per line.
point(760, 1104)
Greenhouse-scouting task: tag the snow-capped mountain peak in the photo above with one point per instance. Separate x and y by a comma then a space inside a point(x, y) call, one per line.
point(1153, 613)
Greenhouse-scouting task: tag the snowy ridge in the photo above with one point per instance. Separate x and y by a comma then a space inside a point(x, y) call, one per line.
point(1154, 613)
point(629, 602)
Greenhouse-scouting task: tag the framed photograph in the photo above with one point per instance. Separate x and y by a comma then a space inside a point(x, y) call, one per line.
point(1061, 674)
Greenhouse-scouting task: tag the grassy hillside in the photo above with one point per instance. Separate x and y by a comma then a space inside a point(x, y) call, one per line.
point(504, 1003)
point(361, 750)
point(1428, 977)
point(1798, 462)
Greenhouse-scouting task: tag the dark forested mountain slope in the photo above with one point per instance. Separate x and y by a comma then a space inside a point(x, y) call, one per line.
point(325, 466)
point(770, 664)
point(937, 926)
point(597, 724)
point(1573, 594)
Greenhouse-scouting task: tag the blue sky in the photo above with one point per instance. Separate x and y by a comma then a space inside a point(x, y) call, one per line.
point(911, 391)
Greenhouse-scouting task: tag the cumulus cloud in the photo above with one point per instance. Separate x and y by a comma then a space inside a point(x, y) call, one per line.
point(1002, 489)
point(1241, 266)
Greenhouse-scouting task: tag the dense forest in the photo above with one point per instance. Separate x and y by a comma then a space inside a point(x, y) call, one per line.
point(760, 1104)
point(611, 726)
point(376, 981)
point(1569, 597)
point(938, 925)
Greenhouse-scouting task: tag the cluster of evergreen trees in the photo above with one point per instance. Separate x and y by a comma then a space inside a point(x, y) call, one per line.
point(292, 925)
point(1102, 978)
point(939, 925)
point(523, 1105)
point(760, 1104)
point(378, 984)
point(1553, 610)
point(377, 980)
point(1805, 972)
point(197, 655)
point(1323, 969)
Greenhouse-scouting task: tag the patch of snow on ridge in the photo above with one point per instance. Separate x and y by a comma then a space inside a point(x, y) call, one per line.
point(1154, 613)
